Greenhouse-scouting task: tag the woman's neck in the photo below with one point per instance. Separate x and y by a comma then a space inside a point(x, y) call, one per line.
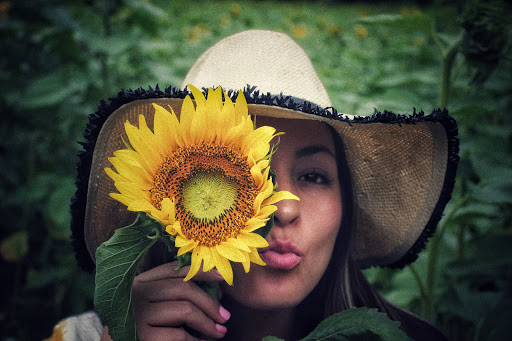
point(251, 324)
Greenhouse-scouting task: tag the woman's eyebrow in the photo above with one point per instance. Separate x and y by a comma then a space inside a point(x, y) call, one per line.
point(310, 150)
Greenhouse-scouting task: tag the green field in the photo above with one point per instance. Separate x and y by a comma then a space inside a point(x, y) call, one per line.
point(60, 58)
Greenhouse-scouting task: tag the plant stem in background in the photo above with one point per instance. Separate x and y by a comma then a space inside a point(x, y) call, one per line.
point(448, 59)
point(432, 262)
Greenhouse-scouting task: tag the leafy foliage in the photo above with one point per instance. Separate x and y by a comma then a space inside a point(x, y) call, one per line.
point(355, 324)
point(117, 261)
point(60, 58)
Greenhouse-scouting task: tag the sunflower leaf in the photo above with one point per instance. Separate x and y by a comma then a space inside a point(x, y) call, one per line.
point(116, 264)
point(184, 260)
point(263, 231)
point(358, 324)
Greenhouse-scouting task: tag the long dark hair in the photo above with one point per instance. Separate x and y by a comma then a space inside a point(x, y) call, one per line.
point(343, 285)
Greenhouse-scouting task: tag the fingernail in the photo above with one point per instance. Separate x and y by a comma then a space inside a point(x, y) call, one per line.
point(217, 272)
point(224, 313)
point(222, 329)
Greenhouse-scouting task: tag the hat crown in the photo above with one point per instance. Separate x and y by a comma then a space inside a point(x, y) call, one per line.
point(271, 61)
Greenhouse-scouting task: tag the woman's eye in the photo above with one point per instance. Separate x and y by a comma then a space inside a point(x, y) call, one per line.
point(315, 178)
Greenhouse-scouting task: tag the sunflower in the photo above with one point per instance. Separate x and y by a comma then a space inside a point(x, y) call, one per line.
point(204, 176)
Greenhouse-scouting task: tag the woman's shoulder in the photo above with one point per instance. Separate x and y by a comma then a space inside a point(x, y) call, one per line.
point(86, 326)
point(415, 327)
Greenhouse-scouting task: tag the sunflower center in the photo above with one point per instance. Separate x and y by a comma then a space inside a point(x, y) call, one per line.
point(213, 189)
point(208, 195)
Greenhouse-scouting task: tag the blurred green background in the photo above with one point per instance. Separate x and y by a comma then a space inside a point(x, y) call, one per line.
point(60, 58)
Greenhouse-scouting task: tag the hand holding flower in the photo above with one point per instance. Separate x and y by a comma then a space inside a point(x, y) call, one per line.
point(202, 184)
point(163, 304)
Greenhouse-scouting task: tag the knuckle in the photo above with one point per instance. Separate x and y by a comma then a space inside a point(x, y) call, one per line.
point(188, 285)
point(179, 335)
point(187, 308)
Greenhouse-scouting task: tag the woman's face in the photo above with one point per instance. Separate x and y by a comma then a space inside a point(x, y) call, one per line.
point(304, 232)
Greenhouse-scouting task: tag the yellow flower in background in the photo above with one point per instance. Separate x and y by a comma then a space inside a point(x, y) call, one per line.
point(205, 176)
point(409, 10)
point(235, 10)
point(335, 30)
point(299, 31)
point(361, 31)
point(197, 32)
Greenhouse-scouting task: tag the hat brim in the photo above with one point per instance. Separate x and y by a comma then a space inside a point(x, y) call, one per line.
point(402, 166)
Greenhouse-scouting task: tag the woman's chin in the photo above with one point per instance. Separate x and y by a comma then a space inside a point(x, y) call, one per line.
point(264, 289)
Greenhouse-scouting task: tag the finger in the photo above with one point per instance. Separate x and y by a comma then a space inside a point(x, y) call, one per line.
point(177, 290)
point(178, 313)
point(105, 336)
point(165, 334)
point(168, 270)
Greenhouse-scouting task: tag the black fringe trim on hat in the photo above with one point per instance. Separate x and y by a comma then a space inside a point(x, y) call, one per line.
point(105, 109)
point(83, 169)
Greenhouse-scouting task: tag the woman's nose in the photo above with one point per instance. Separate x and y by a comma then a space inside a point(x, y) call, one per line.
point(287, 212)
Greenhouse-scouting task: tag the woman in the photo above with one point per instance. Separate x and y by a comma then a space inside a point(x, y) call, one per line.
point(372, 190)
point(301, 244)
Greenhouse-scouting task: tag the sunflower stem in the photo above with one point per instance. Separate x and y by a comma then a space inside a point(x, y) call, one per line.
point(212, 289)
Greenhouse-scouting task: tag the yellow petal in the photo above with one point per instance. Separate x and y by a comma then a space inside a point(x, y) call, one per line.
point(195, 263)
point(172, 228)
point(113, 175)
point(241, 109)
point(121, 198)
point(185, 244)
point(208, 260)
point(224, 267)
point(258, 140)
point(147, 155)
point(230, 252)
point(255, 257)
point(278, 196)
point(264, 194)
point(186, 116)
point(128, 188)
point(130, 156)
point(226, 119)
point(239, 244)
point(247, 264)
point(266, 211)
point(198, 96)
point(263, 164)
point(200, 131)
point(255, 223)
point(214, 101)
point(141, 206)
point(255, 171)
point(252, 239)
point(134, 174)
point(165, 125)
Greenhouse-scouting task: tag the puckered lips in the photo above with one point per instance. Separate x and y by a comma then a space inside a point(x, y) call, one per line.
point(281, 255)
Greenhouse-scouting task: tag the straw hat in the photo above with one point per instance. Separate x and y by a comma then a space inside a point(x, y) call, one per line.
point(402, 167)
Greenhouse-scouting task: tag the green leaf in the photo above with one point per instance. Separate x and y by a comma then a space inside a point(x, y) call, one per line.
point(420, 22)
point(147, 8)
point(263, 231)
point(116, 264)
point(358, 324)
point(483, 254)
point(53, 88)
